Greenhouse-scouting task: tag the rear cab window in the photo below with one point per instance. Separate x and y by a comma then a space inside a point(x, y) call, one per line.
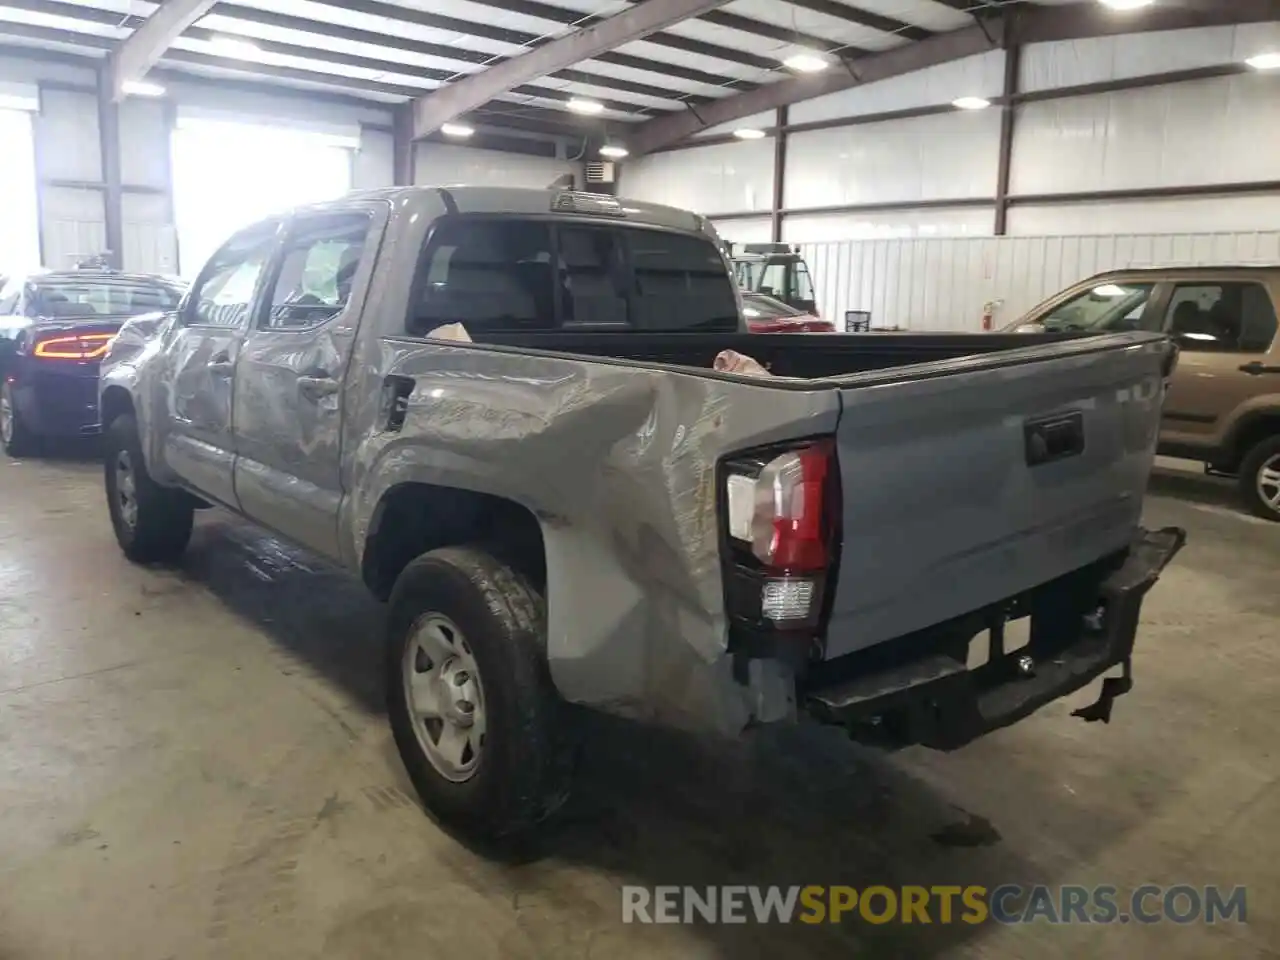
point(497, 274)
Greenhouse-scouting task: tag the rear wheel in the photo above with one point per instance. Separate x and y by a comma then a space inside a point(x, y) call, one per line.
point(479, 725)
point(1260, 479)
point(152, 523)
point(17, 437)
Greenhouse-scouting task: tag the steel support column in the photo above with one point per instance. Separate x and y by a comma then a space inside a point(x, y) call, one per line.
point(113, 187)
point(779, 172)
point(1012, 68)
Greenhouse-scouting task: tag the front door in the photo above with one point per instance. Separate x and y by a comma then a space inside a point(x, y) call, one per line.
point(1224, 330)
point(199, 446)
point(288, 409)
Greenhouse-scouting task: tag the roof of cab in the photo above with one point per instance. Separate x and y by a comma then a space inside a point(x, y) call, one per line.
point(525, 200)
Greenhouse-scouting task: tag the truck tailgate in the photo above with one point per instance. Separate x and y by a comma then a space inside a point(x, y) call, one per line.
point(966, 482)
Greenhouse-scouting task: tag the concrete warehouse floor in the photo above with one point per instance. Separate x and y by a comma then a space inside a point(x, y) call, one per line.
point(194, 764)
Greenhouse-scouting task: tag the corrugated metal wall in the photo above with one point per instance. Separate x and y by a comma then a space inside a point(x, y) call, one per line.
point(942, 284)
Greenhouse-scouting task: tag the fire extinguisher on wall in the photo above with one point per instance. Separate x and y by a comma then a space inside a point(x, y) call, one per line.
point(989, 313)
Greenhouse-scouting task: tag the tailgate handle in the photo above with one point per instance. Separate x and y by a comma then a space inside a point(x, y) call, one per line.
point(1054, 438)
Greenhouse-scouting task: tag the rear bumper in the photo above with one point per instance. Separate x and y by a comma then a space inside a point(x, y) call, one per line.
point(918, 690)
point(55, 402)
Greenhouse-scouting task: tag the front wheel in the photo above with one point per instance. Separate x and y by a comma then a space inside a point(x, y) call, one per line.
point(17, 437)
point(1260, 479)
point(152, 523)
point(479, 725)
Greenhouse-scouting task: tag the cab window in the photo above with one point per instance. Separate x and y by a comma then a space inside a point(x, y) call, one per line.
point(1109, 306)
point(1222, 317)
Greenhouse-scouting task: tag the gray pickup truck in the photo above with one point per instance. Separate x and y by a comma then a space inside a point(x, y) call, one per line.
point(574, 509)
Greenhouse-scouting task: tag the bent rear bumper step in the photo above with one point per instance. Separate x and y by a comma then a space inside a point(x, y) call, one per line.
point(1081, 626)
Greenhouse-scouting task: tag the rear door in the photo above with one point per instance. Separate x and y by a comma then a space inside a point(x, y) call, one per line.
point(199, 446)
point(968, 481)
point(1225, 329)
point(288, 410)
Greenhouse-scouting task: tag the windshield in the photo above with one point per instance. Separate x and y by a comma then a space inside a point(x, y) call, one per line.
point(1108, 306)
point(756, 306)
point(100, 296)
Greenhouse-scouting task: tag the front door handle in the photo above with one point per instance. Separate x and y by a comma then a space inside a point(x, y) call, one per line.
point(1257, 368)
point(221, 365)
point(318, 387)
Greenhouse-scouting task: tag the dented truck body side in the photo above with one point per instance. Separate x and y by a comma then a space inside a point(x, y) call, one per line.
point(619, 462)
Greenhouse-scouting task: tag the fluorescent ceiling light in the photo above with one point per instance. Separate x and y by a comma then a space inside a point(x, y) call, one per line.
point(1265, 61)
point(971, 103)
point(586, 107)
point(749, 133)
point(614, 151)
point(459, 130)
point(140, 88)
point(806, 63)
point(235, 47)
point(1126, 4)
point(1111, 291)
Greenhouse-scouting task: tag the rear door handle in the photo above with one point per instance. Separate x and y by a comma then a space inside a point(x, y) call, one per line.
point(1257, 367)
point(318, 387)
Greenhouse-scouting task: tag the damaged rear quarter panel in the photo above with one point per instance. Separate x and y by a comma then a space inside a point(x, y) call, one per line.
point(618, 463)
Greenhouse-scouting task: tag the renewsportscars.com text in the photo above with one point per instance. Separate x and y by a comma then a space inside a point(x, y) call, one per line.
point(1006, 904)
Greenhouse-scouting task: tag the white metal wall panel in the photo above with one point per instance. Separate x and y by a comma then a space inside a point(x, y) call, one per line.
point(898, 160)
point(144, 143)
point(941, 222)
point(1069, 63)
point(942, 284)
point(22, 70)
point(754, 230)
point(1212, 131)
point(1189, 215)
point(66, 132)
point(980, 76)
point(720, 178)
point(150, 240)
point(443, 164)
point(71, 225)
point(374, 163)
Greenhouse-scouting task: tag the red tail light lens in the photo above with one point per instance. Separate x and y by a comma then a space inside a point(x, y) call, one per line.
point(788, 527)
point(84, 346)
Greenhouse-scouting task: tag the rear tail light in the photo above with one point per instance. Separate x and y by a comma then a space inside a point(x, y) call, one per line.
point(780, 515)
point(84, 346)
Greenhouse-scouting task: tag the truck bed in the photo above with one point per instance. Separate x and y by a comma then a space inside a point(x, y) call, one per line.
point(974, 467)
point(800, 355)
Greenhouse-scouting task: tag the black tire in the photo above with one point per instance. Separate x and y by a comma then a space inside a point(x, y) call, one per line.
point(19, 439)
point(524, 765)
point(161, 526)
point(1265, 454)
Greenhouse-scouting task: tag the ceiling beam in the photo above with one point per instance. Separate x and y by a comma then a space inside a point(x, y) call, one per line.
point(1018, 24)
point(940, 48)
point(133, 58)
point(863, 18)
point(437, 108)
point(1080, 21)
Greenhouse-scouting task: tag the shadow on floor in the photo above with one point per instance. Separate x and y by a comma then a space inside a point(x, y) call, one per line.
point(796, 806)
point(1194, 487)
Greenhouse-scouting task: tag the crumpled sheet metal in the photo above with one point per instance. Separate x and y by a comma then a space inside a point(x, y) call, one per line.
point(618, 463)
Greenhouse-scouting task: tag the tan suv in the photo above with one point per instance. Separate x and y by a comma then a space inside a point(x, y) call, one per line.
point(1223, 407)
